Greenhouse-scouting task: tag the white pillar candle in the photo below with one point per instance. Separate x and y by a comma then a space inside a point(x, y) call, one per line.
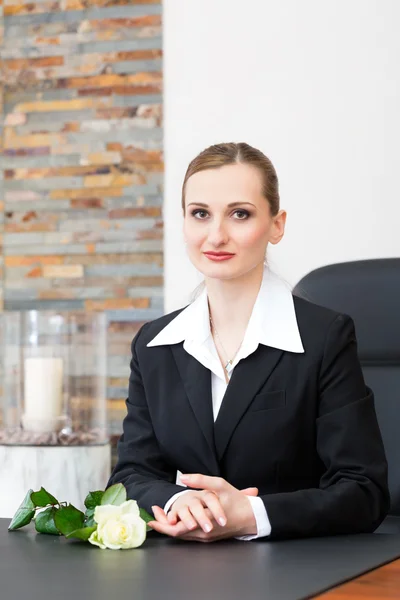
point(43, 379)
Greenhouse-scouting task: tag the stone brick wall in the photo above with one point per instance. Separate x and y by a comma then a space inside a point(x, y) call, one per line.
point(82, 165)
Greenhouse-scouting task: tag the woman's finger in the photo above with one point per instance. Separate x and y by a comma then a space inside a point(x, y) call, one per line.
point(199, 513)
point(186, 516)
point(213, 503)
point(251, 491)
point(172, 530)
point(172, 517)
point(206, 482)
point(159, 514)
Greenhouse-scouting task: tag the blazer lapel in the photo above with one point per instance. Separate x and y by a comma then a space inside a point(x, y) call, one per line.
point(197, 383)
point(248, 377)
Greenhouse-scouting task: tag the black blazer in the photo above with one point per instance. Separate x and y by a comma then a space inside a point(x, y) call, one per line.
point(300, 427)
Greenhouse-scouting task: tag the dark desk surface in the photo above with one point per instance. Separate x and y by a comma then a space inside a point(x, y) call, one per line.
point(40, 567)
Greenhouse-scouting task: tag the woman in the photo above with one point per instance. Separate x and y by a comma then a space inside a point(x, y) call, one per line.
point(255, 395)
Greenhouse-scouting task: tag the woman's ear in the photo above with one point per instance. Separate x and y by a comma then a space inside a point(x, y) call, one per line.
point(278, 227)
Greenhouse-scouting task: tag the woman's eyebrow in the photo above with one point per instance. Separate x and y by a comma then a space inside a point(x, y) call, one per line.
point(231, 205)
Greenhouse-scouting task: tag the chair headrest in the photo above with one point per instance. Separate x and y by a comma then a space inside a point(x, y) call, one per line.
point(368, 291)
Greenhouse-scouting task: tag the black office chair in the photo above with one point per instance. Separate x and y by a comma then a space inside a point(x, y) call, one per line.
point(369, 291)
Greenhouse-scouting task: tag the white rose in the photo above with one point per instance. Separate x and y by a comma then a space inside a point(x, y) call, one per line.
point(103, 513)
point(118, 527)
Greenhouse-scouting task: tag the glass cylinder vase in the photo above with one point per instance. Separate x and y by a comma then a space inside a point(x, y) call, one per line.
point(54, 378)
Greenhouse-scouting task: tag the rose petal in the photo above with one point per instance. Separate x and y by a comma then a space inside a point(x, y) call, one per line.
point(95, 540)
point(103, 513)
point(137, 533)
point(131, 507)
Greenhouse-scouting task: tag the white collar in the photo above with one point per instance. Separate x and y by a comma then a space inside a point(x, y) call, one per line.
point(272, 323)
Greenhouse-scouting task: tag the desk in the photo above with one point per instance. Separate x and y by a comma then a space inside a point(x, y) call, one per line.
point(41, 567)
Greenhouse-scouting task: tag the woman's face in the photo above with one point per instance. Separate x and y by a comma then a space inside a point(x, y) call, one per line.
point(227, 223)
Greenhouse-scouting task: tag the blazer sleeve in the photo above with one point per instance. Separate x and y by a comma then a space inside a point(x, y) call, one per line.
point(353, 494)
point(141, 465)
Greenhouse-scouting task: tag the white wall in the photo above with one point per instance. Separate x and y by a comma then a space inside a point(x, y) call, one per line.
point(316, 86)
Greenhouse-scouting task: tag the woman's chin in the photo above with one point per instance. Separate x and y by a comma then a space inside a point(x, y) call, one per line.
point(218, 270)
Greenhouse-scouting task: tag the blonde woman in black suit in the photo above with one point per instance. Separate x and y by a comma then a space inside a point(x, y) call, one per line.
point(248, 416)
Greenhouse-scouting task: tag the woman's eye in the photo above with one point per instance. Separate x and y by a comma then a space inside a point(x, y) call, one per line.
point(199, 213)
point(241, 215)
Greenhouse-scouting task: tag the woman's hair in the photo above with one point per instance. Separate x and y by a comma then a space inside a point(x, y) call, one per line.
point(230, 153)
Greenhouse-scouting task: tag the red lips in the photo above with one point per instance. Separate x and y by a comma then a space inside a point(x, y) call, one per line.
point(218, 256)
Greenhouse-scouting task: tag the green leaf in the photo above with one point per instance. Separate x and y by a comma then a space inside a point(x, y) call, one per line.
point(44, 521)
point(82, 534)
point(24, 514)
point(43, 498)
point(116, 495)
point(146, 517)
point(93, 499)
point(68, 519)
point(89, 517)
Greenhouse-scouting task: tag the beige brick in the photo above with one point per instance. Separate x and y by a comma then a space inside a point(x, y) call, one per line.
point(48, 41)
point(113, 180)
point(102, 158)
point(21, 261)
point(108, 192)
point(117, 303)
point(78, 171)
point(63, 105)
point(82, 4)
point(116, 381)
point(63, 271)
point(31, 8)
point(56, 294)
point(31, 63)
point(113, 79)
point(21, 227)
point(117, 403)
point(31, 141)
point(110, 259)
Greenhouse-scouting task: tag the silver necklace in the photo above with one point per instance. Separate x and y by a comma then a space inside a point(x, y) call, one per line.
point(229, 361)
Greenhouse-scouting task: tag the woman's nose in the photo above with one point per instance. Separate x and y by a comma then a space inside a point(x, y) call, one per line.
point(217, 234)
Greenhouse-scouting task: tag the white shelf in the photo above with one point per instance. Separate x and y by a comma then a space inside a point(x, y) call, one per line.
point(68, 473)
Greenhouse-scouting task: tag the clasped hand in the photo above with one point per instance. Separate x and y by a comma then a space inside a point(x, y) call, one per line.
point(215, 512)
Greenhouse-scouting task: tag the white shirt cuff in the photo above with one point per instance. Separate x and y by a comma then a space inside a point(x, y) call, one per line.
point(172, 500)
point(262, 521)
